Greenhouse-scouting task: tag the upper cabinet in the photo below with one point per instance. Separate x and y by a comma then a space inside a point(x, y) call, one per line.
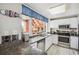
point(74, 23)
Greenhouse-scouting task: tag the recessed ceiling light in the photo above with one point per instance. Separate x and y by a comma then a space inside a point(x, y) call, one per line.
point(58, 9)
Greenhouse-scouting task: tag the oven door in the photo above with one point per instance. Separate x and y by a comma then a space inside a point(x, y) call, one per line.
point(63, 39)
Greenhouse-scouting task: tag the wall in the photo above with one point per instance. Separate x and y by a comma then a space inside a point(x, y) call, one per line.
point(9, 25)
point(11, 6)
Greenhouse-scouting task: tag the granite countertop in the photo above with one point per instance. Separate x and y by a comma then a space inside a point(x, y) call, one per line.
point(37, 38)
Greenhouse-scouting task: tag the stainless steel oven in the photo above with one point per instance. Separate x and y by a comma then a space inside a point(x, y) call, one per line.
point(64, 35)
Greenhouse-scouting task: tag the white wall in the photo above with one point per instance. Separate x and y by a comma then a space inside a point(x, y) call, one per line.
point(9, 25)
point(11, 6)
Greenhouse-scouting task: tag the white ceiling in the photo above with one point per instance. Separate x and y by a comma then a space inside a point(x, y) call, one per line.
point(42, 8)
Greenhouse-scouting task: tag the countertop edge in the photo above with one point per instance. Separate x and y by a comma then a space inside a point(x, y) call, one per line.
point(40, 39)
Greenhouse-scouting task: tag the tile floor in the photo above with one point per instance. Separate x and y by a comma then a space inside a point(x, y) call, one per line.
point(58, 50)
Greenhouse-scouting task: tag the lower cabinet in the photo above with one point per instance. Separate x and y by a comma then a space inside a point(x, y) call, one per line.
point(52, 39)
point(74, 42)
point(48, 42)
point(41, 44)
point(55, 39)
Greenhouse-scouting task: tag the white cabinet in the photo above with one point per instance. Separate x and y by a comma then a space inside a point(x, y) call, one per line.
point(48, 42)
point(74, 42)
point(34, 45)
point(55, 39)
point(41, 44)
point(74, 23)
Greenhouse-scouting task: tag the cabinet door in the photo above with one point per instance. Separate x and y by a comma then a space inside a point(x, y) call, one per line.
point(74, 23)
point(34, 45)
point(41, 44)
point(48, 42)
point(74, 42)
point(55, 39)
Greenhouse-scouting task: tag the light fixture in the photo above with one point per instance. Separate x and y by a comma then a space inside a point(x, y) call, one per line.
point(58, 9)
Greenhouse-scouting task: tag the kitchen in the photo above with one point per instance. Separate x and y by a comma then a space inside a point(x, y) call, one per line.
point(38, 27)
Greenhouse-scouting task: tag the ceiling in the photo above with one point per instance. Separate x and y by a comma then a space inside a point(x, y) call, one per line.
point(42, 8)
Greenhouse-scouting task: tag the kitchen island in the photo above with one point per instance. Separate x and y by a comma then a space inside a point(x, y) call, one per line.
point(42, 42)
